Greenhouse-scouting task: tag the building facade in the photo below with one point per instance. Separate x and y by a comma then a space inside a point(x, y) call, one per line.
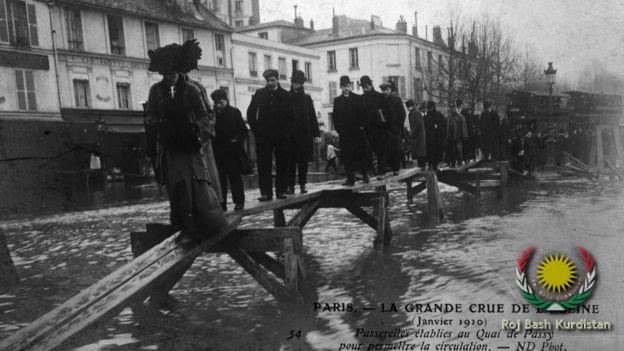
point(236, 13)
point(253, 56)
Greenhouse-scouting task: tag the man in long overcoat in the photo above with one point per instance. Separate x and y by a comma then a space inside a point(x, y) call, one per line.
point(435, 130)
point(472, 123)
point(418, 141)
point(456, 134)
point(349, 115)
point(394, 111)
point(376, 125)
point(306, 130)
point(490, 131)
point(270, 116)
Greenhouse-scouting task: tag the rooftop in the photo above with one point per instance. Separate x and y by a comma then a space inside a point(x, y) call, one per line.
point(187, 12)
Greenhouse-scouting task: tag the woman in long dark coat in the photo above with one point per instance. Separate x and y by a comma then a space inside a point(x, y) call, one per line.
point(178, 115)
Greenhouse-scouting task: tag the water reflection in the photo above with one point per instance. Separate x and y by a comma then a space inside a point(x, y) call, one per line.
point(467, 259)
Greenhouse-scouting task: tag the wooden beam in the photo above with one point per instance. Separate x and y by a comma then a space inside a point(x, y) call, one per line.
point(269, 263)
point(363, 216)
point(617, 144)
point(340, 199)
point(382, 217)
point(254, 269)
point(278, 218)
point(8, 274)
point(261, 239)
point(291, 266)
point(416, 189)
point(433, 197)
point(109, 295)
point(303, 216)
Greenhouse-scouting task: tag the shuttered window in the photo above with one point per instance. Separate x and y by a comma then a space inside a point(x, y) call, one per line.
point(152, 37)
point(32, 25)
point(25, 84)
point(74, 28)
point(4, 29)
point(332, 91)
point(123, 95)
point(116, 35)
point(81, 92)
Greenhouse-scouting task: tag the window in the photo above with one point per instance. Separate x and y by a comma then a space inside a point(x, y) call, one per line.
point(353, 59)
point(82, 93)
point(116, 35)
point(418, 89)
point(263, 35)
point(238, 6)
point(220, 49)
point(74, 29)
point(281, 67)
point(333, 91)
point(308, 71)
point(429, 61)
point(239, 24)
point(187, 34)
point(331, 61)
point(417, 57)
point(123, 95)
point(19, 23)
point(25, 84)
point(268, 62)
point(152, 38)
point(295, 65)
point(253, 68)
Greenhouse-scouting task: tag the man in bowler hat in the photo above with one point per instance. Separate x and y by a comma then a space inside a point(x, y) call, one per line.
point(270, 116)
point(304, 133)
point(348, 115)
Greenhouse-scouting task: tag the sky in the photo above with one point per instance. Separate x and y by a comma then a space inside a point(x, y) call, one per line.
point(574, 34)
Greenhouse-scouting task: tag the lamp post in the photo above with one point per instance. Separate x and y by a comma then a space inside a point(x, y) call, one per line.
point(550, 74)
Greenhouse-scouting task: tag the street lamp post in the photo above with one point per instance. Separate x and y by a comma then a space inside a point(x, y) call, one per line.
point(550, 74)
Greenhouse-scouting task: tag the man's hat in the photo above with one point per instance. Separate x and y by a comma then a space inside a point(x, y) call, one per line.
point(344, 80)
point(218, 94)
point(458, 103)
point(388, 85)
point(486, 104)
point(431, 104)
point(365, 80)
point(270, 73)
point(298, 77)
point(409, 103)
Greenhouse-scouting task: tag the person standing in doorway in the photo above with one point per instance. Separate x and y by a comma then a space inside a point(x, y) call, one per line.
point(230, 135)
point(306, 133)
point(270, 116)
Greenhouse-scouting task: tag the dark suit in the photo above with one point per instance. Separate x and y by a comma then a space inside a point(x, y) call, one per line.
point(377, 131)
point(435, 131)
point(270, 116)
point(395, 114)
point(349, 116)
point(305, 130)
point(231, 133)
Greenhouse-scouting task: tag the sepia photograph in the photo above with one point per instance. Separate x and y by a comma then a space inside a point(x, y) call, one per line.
point(207, 175)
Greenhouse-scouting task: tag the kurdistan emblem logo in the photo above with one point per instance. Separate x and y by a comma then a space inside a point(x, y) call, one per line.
point(556, 287)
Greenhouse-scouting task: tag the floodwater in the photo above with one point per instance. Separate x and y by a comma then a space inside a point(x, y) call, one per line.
point(469, 259)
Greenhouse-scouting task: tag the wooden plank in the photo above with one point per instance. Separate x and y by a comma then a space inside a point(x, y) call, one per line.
point(303, 216)
point(109, 294)
point(363, 216)
point(252, 267)
point(261, 239)
point(381, 221)
point(8, 274)
point(290, 266)
point(466, 167)
point(340, 199)
point(269, 263)
point(278, 218)
point(408, 184)
point(617, 144)
point(478, 185)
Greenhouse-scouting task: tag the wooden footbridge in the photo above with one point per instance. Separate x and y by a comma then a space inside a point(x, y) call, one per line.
point(158, 268)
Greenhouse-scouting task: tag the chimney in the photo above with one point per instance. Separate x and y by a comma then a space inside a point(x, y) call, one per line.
point(437, 35)
point(335, 24)
point(401, 25)
point(375, 22)
point(415, 26)
point(312, 25)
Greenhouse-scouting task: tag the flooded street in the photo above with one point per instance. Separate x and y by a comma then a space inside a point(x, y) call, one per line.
point(469, 259)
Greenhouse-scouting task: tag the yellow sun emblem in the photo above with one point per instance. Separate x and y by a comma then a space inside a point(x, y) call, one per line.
point(556, 273)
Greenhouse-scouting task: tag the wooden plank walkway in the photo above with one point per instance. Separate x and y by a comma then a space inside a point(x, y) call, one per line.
point(157, 270)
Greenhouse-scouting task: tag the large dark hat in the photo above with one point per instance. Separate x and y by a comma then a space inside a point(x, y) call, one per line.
point(270, 73)
point(298, 77)
point(344, 80)
point(166, 59)
point(190, 53)
point(430, 104)
point(486, 104)
point(365, 80)
point(219, 94)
